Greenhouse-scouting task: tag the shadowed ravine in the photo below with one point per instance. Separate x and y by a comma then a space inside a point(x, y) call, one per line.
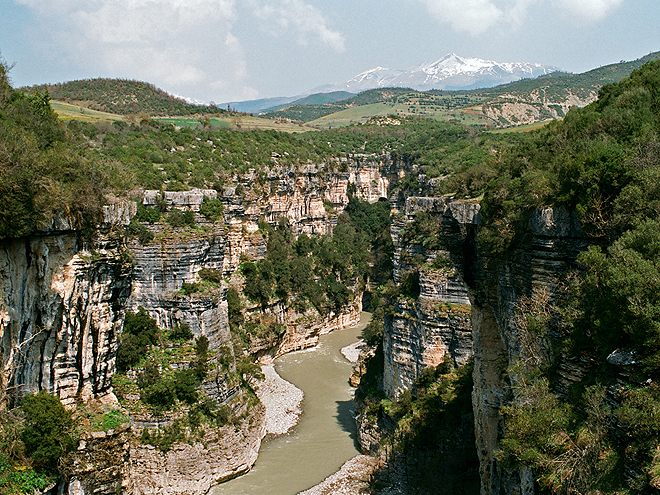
point(325, 437)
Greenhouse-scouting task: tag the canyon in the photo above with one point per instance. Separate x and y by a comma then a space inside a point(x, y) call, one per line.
point(63, 299)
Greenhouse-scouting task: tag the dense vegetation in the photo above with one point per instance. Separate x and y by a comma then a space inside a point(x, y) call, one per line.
point(161, 374)
point(431, 445)
point(42, 174)
point(33, 438)
point(603, 162)
point(122, 96)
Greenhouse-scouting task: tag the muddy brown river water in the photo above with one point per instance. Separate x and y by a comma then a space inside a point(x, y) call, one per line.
point(325, 437)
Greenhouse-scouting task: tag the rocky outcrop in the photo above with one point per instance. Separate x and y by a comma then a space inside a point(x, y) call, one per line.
point(511, 110)
point(497, 290)
point(107, 463)
point(161, 269)
point(192, 468)
point(434, 326)
point(303, 331)
point(353, 478)
point(61, 310)
point(100, 463)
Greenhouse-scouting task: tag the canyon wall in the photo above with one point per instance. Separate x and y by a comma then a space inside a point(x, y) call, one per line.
point(435, 325)
point(61, 310)
point(499, 288)
point(63, 300)
point(468, 306)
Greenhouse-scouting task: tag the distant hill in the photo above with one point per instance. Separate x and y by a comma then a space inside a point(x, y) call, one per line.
point(122, 96)
point(521, 102)
point(272, 104)
point(308, 112)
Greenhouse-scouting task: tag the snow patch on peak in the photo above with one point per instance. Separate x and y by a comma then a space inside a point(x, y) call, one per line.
point(449, 72)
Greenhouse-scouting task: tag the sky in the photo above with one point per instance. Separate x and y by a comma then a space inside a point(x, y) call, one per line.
point(236, 50)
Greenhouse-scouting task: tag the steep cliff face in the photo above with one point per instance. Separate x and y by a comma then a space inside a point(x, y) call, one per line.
point(162, 267)
point(497, 288)
point(435, 325)
point(308, 197)
point(61, 309)
point(192, 468)
point(469, 305)
point(63, 301)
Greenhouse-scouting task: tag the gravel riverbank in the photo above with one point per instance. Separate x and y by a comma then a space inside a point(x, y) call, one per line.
point(282, 400)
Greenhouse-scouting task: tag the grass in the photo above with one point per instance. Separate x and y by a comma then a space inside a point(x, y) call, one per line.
point(239, 122)
point(66, 111)
point(521, 128)
point(431, 106)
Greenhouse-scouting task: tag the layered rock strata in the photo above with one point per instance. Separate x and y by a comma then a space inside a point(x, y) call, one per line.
point(498, 289)
point(192, 468)
point(61, 310)
point(434, 326)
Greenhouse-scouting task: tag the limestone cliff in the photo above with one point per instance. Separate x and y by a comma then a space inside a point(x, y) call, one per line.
point(467, 306)
point(63, 299)
point(61, 310)
point(435, 325)
point(497, 288)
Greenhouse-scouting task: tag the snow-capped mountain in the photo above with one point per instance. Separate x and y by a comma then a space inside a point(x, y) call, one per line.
point(450, 72)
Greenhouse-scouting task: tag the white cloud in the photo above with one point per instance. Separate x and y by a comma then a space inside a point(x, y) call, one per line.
point(184, 46)
point(472, 16)
point(589, 10)
point(477, 16)
point(298, 18)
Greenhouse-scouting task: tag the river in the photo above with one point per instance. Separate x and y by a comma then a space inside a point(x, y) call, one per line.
point(325, 436)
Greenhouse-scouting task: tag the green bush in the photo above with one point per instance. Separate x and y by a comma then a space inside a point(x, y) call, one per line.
point(181, 332)
point(161, 395)
point(15, 481)
point(143, 234)
point(111, 420)
point(189, 288)
point(48, 431)
point(147, 214)
point(186, 384)
point(212, 209)
point(179, 219)
point(140, 332)
point(211, 275)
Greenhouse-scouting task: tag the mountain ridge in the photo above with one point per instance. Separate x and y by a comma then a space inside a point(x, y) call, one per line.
point(449, 72)
point(524, 101)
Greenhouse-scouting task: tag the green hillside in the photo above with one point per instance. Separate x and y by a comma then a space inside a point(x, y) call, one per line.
point(308, 112)
point(522, 102)
point(122, 96)
point(321, 99)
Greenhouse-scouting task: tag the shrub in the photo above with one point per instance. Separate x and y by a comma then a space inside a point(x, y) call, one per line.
point(189, 288)
point(211, 275)
point(147, 214)
point(212, 208)
point(181, 332)
point(143, 234)
point(410, 285)
point(48, 430)
point(140, 331)
point(161, 395)
point(179, 219)
point(186, 383)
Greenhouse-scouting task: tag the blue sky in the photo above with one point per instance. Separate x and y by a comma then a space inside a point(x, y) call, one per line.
point(229, 50)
